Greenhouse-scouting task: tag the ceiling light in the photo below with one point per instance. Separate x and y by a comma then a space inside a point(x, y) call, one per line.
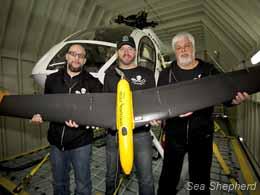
point(255, 58)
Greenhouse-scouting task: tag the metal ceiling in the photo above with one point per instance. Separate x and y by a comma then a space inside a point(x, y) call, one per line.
point(28, 28)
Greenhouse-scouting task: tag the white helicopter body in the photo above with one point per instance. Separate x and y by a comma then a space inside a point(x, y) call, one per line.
point(100, 44)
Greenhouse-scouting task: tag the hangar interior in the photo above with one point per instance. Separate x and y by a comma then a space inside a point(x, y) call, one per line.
point(227, 34)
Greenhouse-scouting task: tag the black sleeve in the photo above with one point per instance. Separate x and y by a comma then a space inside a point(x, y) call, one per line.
point(214, 71)
point(96, 86)
point(47, 86)
point(151, 79)
point(106, 87)
point(164, 77)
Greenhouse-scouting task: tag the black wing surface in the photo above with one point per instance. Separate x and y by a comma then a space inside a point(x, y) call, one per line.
point(98, 109)
point(175, 99)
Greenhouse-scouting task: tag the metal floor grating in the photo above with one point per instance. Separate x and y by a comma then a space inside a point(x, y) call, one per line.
point(41, 183)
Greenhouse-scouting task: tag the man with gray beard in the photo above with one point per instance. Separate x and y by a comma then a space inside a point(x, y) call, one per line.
point(190, 133)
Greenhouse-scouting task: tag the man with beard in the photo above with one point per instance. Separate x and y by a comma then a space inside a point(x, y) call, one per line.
point(190, 133)
point(139, 78)
point(70, 143)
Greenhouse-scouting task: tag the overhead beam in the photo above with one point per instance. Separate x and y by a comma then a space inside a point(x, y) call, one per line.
point(6, 7)
point(226, 21)
point(181, 22)
point(97, 17)
point(62, 22)
point(89, 16)
point(172, 11)
point(45, 24)
point(21, 44)
point(107, 18)
point(221, 27)
point(78, 14)
point(221, 36)
point(175, 29)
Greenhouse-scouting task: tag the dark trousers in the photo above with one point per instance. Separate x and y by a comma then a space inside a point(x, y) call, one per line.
point(142, 162)
point(199, 155)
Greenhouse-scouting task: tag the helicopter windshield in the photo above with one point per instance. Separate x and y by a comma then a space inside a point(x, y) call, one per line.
point(97, 56)
point(107, 34)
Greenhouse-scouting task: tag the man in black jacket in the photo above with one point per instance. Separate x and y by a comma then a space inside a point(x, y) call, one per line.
point(139, 78)
point(190, 132)
point(70, 143)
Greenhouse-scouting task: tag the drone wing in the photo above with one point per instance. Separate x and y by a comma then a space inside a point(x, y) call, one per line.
point(94, 109)
point(173, 100)
point(98, 109)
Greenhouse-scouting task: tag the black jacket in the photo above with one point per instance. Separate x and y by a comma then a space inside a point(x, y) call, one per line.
point(59, 134)
point(200, 123)
point(139, 78)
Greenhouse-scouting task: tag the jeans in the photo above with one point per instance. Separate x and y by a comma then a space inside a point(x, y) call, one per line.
point(62, 161)
point(142, 162)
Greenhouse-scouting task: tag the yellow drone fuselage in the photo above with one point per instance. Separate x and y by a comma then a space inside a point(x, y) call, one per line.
point(125, 125)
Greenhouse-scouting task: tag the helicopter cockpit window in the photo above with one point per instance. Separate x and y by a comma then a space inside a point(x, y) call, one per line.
point(97, 56)
point(146, 54)
point(59, 59)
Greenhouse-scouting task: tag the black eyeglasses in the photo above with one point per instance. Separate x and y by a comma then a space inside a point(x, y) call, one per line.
point(75, 54)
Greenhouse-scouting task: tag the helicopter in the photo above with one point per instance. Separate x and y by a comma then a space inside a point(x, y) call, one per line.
point(100, 44)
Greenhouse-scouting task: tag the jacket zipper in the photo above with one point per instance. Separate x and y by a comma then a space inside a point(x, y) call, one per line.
point(64, 127)
point(187, 131)
point(188, 122)
point(62, 135)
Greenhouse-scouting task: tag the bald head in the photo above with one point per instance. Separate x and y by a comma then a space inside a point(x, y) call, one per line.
point(76, 58)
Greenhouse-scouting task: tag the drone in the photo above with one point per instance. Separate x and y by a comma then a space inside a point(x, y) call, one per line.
point(138, 20)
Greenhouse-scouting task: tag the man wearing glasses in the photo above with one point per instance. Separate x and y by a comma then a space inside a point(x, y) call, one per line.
point(70, 143)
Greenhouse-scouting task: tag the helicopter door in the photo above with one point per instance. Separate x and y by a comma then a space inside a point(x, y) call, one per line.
point(146, 54)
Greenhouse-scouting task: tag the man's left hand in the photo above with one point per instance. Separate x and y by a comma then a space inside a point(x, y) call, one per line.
point(156, 122)
point(71, 124)
point(240, 97)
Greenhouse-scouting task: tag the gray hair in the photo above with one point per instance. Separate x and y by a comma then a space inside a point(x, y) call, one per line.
point(181, 35)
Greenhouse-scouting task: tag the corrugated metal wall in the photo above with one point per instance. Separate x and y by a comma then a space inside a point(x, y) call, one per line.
point(248, 127)
point(18, 135)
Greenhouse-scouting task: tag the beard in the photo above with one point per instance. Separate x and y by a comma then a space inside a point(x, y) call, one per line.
point(74, 69)
point(185, 60)
point(126, 61)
